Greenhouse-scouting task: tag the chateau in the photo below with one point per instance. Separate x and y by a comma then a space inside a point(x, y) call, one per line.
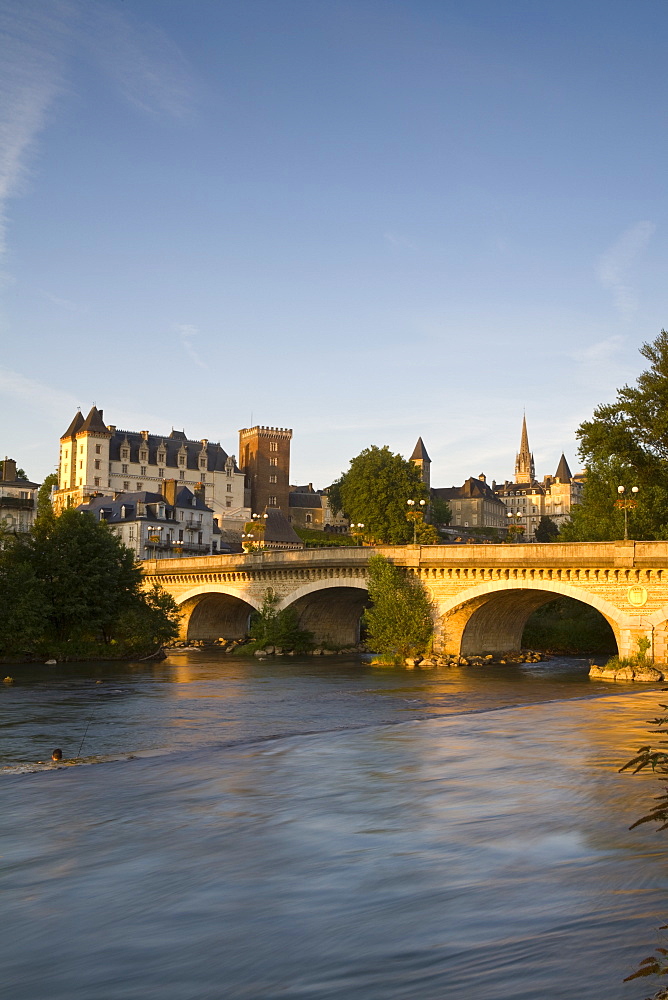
point(100, 458)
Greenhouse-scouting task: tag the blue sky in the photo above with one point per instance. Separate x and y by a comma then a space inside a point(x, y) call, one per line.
point(367, 220)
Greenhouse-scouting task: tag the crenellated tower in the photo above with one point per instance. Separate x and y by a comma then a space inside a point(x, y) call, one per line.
point(264, 457)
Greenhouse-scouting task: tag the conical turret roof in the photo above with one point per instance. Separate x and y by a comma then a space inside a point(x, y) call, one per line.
point(74, 426)
point(94, 422)
point(563, 473)
point(420, 452)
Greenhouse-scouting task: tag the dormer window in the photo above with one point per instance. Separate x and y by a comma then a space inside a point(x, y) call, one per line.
point(161, 458)
point(202, 463)
point(125, 452)
point(182, 459)
point(143, 456)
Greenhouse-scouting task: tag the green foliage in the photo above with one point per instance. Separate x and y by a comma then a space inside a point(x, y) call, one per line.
point(71, 585)
point(45, 516)
point(271, 627)
point(21, 474)
point(441, 512)
point(626, 443)
point(314, 539)
point(547, 530)
point(568, 626)
point(399, 622)
point(374, 492)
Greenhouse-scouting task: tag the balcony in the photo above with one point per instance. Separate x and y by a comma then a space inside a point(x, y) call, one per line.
point(17, 503)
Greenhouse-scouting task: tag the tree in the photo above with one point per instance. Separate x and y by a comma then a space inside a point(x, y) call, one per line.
point(626, 444)
point(547, 530)
point(87, 575)
point(45, 516)
point(150, 621)
point(23, 607)
point(374, 492)
point(441, 512)
point(271, 627)
point(399, 622)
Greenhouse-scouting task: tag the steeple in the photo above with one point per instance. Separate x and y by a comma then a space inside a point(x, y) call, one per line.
point(422, 461)
point(525, 470)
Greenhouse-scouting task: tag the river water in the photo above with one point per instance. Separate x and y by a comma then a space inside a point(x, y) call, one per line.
point(325, 830)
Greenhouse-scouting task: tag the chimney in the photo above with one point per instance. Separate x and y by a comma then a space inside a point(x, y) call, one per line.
point(8, 470)
point(169, 491)
point(482, 477)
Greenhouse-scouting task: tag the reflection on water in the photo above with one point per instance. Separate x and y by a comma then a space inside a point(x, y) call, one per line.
point(482, 855)
point(197, 698)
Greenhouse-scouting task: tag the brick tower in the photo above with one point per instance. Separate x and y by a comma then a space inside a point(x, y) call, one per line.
point(264, 457)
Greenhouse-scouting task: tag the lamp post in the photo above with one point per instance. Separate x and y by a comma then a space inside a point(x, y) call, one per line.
point(414, 515)
point(510, 514)
point(626, 504)
point(357, 531)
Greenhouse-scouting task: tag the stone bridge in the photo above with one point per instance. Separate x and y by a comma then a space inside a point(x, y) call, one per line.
point(482, 594)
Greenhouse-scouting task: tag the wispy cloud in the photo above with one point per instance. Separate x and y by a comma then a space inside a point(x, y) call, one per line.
point(32, 39)
point(146, 65)
point(396, 240)
point(612, 268)
point(187, 333)
point(35, 394)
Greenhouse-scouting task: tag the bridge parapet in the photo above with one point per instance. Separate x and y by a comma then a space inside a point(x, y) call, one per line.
point(482, 593)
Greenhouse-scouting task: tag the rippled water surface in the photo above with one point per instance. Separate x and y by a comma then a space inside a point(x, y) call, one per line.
point(480, 849)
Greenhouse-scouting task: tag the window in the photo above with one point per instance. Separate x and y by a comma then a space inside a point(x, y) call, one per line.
point(272, 502)
point(273, 446)
point(125, 453)
point(180, 534)
point(309, 518)
point(229, 471)
point(199, 537)
point(228, 503)
point(202, 463)
point(124, 470)
point(142, 470)
point(273, 479)
point(180, 515)
point(140, 486)
point(182, 475)
point(143, 456)
point(161, 473)
point(161, 458)
point(273, 461)
point(229, 487)
point(126, 485)
point(81, 465)
point(97, 463)
point(131, 533)
point(182, 459)
point(98, 449)
point(203, 478)
point(97, 480)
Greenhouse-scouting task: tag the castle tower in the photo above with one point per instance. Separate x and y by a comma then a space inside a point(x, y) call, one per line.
point(84, 459)
point(525, 470)
point(563, 473)
point(422, 461)
point(264, 457)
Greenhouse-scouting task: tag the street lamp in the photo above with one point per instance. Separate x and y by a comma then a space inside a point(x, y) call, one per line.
point(510, 514)
point(415, 515)
point(356, 530)
point(626, 504)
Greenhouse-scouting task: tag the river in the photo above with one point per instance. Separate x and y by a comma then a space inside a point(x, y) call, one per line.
point(322, 829)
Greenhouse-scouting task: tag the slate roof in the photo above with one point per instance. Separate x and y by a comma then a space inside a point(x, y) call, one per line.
point(113, 505)
point(472, 489)
point(563, 473)
point(172, 446)
point(216, 456)
point(77, 421)
point(308, 500)
point(279, 529)
point(420, 452)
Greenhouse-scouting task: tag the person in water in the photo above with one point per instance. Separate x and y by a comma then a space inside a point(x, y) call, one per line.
point(57, 755)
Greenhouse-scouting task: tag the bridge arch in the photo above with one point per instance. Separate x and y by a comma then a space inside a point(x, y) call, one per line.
point(331, 608)
point(212, 611)
point(491, 617)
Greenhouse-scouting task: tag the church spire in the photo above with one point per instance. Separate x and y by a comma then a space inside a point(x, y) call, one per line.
point(525, 470)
